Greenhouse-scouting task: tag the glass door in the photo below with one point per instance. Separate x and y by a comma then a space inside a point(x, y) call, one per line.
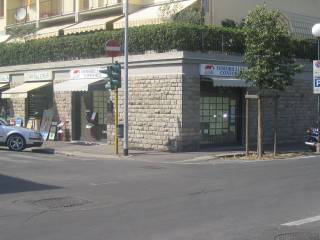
point(219, 120)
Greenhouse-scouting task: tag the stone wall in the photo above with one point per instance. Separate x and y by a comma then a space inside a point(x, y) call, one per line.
point(190, 132)
point(160, 116)
point(297, 111)
point(18, 104)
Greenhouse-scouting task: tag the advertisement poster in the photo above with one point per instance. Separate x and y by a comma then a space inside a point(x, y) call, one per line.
point(46, 123)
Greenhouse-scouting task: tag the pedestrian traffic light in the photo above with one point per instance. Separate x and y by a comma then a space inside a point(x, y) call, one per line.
point(113, 78)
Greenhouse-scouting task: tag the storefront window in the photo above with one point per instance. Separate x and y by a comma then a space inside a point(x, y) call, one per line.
point(100, 106)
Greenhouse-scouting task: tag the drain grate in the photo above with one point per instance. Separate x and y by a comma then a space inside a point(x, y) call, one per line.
point(60, 202)
point(298, 236)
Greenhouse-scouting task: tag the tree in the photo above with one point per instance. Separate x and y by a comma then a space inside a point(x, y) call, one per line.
point(19, 32)
point(229, 23)
point(174, 12)
point(270, 59)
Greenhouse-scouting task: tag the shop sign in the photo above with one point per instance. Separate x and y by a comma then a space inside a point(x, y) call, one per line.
point(85, 73)
point(38, 76)
point(4, 78)
point(220, 70)
point(316, 77)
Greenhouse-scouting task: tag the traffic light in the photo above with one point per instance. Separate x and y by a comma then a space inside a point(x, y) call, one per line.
point(116, 74)
point(113, 78)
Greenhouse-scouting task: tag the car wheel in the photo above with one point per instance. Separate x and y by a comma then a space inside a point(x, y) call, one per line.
point(16, 143)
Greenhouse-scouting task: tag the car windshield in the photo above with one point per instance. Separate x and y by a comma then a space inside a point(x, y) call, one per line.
point(3, 122)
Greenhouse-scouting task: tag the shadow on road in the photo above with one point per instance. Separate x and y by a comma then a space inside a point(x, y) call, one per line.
point(10, 184)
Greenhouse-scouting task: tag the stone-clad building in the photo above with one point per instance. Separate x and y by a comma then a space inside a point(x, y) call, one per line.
point(177, 101)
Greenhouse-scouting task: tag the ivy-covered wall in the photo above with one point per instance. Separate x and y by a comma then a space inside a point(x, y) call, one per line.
point(158, 38)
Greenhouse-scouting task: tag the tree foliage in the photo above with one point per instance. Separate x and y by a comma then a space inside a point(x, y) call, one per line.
point(269, 52)
point(229, 23)
point(22, 31)
point(174, 12)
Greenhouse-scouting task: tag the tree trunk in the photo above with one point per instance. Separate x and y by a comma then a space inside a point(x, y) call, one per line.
point(275, 128)
point(260, 128)
point(247, 127)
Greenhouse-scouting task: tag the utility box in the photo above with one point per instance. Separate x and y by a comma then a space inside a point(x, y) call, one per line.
point(120, 131)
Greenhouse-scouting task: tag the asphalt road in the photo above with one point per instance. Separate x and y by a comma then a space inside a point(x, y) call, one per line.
point(51, 197)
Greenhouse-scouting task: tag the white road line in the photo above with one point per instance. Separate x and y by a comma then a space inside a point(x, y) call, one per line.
point(303, 221)
point(105, 183)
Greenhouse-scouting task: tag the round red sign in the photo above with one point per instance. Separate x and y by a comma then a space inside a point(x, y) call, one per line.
point(113, 48)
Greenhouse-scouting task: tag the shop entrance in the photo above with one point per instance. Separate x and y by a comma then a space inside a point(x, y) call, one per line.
point(220, 115)
point(89, 115)
point(38, 101)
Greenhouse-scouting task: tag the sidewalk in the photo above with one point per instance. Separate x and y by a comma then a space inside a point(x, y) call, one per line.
point(105, 151)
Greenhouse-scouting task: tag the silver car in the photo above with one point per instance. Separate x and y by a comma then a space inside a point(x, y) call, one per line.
point(18, 138)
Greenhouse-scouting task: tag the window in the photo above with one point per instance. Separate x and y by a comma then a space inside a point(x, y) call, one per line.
point(1, 8)
point(100, 106)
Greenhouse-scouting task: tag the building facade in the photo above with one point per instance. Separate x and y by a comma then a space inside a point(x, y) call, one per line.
point(178, 101)
point(63, 17)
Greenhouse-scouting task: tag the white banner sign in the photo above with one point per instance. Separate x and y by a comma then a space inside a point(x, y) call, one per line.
point(220, 70)
point(4, 78)
point(316, 77)
point(38, 76)
point(86, 73)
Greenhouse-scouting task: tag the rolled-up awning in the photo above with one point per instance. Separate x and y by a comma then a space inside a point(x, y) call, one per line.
point(81, 85)
point(21, 91)
point(227, 82)
point(48, 32)
point(91, 25)
point(4, 85)
point(154, 14)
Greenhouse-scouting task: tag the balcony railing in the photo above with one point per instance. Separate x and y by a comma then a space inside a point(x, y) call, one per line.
point(22, 14)
point(52, 8)
point(94, 4)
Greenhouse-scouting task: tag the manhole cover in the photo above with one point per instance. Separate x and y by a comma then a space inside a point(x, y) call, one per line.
point(298, 236)
point(60, 202)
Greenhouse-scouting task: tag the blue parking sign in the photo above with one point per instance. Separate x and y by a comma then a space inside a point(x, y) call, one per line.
point(317, 82)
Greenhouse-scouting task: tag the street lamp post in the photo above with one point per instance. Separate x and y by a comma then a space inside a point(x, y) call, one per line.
point(316, 33)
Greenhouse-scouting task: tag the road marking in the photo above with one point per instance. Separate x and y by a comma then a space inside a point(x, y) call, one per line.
point(303, 221)
point(105, 183)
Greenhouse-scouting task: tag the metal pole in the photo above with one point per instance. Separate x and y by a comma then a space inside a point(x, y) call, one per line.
point(116, 122)
point(247, 126)
point(126, 95)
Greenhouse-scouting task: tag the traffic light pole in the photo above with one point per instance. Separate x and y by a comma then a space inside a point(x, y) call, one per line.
point(116, 120)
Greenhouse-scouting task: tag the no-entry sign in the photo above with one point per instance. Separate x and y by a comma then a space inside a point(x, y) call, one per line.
point(113, 48)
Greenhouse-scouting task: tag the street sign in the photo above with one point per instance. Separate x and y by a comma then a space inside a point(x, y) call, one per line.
point(316, 77)
point(113, 48)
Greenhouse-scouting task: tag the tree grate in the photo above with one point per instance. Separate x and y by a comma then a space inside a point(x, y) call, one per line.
point(60, 202)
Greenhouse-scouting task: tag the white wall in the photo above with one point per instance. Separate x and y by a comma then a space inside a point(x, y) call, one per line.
point(238, 9)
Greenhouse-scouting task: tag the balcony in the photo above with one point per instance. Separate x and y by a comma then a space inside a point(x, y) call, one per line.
point(96, 4)
point(23, 14)
point(53, 10)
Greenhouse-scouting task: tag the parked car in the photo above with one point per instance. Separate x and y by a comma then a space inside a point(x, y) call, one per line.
point(312, 138)
point(18, 138)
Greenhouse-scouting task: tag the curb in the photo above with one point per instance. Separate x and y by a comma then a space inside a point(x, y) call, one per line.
point(80, 154)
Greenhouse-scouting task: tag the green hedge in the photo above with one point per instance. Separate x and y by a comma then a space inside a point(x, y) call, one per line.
point(158, 38)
